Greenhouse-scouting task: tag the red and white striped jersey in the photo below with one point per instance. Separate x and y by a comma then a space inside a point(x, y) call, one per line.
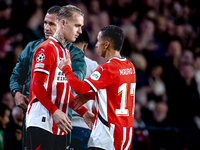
point(46, 59)
point(114, 83)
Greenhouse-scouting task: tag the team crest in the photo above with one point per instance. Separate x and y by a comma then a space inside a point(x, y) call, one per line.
point(95, 75)
point(40, 57)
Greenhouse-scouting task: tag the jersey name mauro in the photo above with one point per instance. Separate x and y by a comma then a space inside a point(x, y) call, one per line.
point(127, 71)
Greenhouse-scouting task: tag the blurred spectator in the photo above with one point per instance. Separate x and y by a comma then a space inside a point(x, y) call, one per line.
point(5, 17)
point(130, 36)
point(171, 28)
point(163, 138)
point(119, 6)
point(161, 30)
point(84, 9)
point(142, 86)
point(96, 19)
point(186, 97)
point(197, 71)
point(157, 84)
point(147, 43)
point(5, 46)
point(33, 28)
point(141, 139)
point(15, 127)
point(146, 35)
point(8, 100)
point(187, 57)
point(159, 115)
point(170, 63)
point(5, 136)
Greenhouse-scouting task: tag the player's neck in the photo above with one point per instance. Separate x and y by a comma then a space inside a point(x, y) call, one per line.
point(60, 38)
point(111, 54)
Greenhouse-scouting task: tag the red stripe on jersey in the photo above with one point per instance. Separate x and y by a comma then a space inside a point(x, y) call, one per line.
point(54, 127)
point(54, 88)
point(66, 101)
point(123, 137)
point(59, 92)
point(60, 133)
point(96, 110)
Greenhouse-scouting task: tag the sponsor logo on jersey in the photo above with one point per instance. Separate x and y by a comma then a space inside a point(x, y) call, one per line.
point(40, 57)
point(102, 69)
point(40, 65)
point(61, 76)
point(95, 75)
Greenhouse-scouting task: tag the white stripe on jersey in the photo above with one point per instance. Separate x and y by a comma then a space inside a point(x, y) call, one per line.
point(53, 93)
point(95, 90)
point(102, 95)
point(130, 138)
point(63, 97)
point(124, 137)
point(41, 70)
point(112, 129)
point(68, 100)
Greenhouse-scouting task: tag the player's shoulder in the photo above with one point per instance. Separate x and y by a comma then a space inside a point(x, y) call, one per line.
point(46, 47)
point(116, 62)
point(36, 42)
point(33, 45)
point(90, 61)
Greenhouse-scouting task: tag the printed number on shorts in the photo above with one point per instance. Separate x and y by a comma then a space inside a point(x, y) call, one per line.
point(123, 90)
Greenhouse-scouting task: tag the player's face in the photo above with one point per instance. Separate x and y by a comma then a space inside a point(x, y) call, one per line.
point(50, 25)
point(5, 119)
point(100, 46)
point(72, 27)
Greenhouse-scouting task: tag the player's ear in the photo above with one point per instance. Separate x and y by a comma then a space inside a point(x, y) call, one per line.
point(63, 22)
point(84, 47)
point(106, 44)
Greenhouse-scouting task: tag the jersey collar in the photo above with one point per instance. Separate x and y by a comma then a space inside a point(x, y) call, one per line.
point(53, 38)
point(120, 59)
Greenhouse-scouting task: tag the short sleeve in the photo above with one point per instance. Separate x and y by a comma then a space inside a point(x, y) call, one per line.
point(100, 78)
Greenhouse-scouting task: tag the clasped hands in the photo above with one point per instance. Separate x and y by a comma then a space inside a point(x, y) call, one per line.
point(61, 119)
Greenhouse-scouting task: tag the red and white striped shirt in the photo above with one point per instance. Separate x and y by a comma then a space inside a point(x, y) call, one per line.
point(42, 104)
point(114, 83)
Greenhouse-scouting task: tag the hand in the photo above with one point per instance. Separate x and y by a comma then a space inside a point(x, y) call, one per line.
point(64, 62)
point(62, 121)
point(20, 100)
point(79, 100)
point(89, 119)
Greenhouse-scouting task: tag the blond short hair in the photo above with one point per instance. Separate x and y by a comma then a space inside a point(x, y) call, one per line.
point(68, 11)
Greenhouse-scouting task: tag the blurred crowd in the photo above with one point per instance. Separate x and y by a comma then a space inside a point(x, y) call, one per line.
point(161, 40)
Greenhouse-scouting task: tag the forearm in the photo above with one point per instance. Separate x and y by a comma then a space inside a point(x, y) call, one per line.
point(38, 88)
point(79, 87)
point(80, 111)
point(16, 81)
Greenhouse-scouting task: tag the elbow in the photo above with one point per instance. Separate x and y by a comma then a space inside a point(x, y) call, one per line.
point(36, 85)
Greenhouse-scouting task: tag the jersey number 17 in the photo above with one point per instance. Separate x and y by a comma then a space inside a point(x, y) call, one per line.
point(123, 90)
